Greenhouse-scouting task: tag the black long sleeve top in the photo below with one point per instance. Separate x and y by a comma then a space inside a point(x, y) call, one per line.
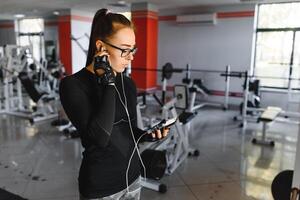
point(98, 114)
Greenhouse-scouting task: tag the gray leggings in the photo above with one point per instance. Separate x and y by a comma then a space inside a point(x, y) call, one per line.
point(133, 194)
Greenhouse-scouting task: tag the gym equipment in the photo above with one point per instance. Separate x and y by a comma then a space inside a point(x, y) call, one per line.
point(282, 184)
point(251, 110)
point(59, 122)
point(66, 127)
point(196, 87)
point(267, 116)
point(246, 109)
point(71, 132)
point(176, 144)
point(14, 60)
point(42, 99)
point(286, 184)
point(17, 74)
point(167, 72)
point(155, 162)
point(253, 96)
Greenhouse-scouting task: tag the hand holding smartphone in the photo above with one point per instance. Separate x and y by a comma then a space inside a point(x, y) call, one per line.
point(162, 124)
point(153, 132)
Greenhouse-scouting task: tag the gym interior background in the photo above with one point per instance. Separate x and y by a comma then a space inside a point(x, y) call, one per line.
point(230, 67)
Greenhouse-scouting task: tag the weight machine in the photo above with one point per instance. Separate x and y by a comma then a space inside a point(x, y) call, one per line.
point(196, 87)
point(246, 109)
point(252, 112)
point(176, 144)
point(16, 77)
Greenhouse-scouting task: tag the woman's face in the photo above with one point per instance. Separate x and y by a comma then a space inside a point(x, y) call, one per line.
point(122, 39)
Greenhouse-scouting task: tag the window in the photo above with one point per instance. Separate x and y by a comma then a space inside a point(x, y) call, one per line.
point(30, 32)
point(277, 44)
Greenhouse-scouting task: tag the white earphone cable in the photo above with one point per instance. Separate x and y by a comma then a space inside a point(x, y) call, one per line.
point(132, 134)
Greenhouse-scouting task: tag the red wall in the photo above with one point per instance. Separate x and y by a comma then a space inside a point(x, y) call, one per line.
point(146, 23)
point(64, 35)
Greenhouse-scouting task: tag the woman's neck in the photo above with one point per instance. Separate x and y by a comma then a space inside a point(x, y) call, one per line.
point(90, 68)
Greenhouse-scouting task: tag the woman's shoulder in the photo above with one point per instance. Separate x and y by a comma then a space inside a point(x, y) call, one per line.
point(78, 78)
point(69, 80)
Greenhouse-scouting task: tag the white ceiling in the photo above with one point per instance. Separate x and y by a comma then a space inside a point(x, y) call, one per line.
point(44, 7)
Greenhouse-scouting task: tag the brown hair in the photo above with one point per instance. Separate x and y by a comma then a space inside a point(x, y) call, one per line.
point(104, 25)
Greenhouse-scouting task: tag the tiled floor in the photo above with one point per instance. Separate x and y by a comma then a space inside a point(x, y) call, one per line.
point(38, 162)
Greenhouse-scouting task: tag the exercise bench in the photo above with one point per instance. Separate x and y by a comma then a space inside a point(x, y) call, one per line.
point(269, 115)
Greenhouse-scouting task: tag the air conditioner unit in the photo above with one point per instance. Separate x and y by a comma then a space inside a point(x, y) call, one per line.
point(205, 19)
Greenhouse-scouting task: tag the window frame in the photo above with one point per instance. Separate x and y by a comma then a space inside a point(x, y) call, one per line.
point(257, 30)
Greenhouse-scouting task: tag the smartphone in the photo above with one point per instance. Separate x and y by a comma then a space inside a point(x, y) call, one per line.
point(162, 124)
point(169, 122)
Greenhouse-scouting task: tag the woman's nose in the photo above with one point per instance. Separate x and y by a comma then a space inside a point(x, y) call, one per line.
point(130, 57)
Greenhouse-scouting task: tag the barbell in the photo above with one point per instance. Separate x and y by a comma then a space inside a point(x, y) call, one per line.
point(245, 74)
point(168, 70)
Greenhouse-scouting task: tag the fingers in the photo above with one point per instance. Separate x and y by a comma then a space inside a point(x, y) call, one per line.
point(165, 132)
point(158, 134)
point(101, 52)
point(153, 135)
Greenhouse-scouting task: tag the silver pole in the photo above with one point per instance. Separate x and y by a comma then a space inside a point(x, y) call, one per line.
point(227, 81)
point(246, 91)
point(188, 69)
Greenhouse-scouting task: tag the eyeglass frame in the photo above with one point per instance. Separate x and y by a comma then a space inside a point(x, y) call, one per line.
point(133, 50)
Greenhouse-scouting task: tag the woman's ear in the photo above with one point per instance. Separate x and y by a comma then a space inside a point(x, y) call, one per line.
point(98, 45)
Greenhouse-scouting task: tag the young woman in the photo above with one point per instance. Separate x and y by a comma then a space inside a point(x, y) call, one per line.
point(101, 104)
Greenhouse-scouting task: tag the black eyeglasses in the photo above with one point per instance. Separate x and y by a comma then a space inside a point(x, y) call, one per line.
point(124, 52)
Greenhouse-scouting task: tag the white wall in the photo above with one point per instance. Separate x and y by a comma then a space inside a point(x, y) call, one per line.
point(229, 42)
point(79, 27)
